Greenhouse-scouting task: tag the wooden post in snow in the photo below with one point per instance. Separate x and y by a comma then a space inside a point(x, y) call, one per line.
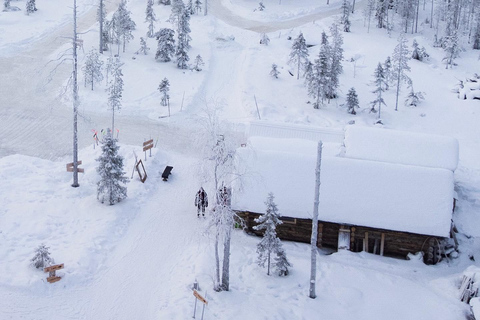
point(313, 242)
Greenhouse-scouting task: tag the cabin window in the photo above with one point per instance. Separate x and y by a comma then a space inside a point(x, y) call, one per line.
point(288, 220)
point(344, 239)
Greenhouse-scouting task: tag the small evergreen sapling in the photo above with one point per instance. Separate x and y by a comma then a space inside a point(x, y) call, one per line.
point(30, 7)
point(265, 40)
point(42, 257)
point(380, 83)
point(198, 63)
point(414, 97)
point(6, 5)
point(274, 73)
point(352, 101)
point(198, 6)
point(269, 243)
point(261, 6)
point(110, 169)
point(281, 262)
point(164, 87)
point(143, 47)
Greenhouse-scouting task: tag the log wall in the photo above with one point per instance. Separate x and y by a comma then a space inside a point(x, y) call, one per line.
point(395, 243)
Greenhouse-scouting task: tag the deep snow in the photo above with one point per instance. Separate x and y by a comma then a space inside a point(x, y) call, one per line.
point(138, 259)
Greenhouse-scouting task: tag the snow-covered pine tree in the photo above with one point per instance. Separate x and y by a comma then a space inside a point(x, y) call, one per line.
point(345, 18)
point(368, 13)
point(181, 52)
point(387, 69)
point(198, 6)
point(92, 69)
point(317, 87)
point(380, 83)
point(416, 51)
point(336, 57)
point(42, 257)
point(115, 89)
point(124, 25)
point(308, 74)
point(281, 262)
point(166, 45)
point(352, 101)
point(143, 46)
point(452, 49)
point(400, 58)
point(381, 13)
point(30, 7)
point(150, 18)
point(423, 54)
point(265, 40)
point(107, 34)
point(414, 97)
point(110, 169)
point(198, 63)
point(190, 9)
point(274, 72)
point(268, 222)
point(164, 87)
point(178, 8)
point(299, 53)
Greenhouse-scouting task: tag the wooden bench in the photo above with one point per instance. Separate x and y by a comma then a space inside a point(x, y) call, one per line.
point(166, 172)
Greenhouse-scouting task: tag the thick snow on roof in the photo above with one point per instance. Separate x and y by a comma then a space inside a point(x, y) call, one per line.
point(358, 192)
point(426, 150)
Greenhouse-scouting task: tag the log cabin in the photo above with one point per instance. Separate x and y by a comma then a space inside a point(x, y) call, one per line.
point(382, 191)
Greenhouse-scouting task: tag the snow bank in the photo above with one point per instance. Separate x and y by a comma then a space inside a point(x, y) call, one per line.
point(393, 146)
point(358, 192)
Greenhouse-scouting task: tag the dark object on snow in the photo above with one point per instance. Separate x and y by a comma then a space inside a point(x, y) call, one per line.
point(290, 73)
point(166, 172)
point(201, 201)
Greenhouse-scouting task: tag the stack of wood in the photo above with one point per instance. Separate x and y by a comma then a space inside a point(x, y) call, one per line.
point(468, 290)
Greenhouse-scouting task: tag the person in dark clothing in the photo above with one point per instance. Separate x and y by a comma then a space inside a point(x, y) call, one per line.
point(201, 201)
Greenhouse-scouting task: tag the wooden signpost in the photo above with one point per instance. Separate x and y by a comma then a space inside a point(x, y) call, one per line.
point(51, 273)
point(148, 145)
point(70, 167)
point(202, 299)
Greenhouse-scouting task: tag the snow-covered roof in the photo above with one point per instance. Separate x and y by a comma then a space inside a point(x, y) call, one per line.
point(358, 192)
point(419, 149)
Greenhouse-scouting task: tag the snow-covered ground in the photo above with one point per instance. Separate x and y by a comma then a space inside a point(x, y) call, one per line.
point(138, 259)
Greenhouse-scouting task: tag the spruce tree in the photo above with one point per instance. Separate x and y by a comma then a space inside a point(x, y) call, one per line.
point(123, 25)
point(299, 53)
point(400, 59)
point(110, 169)
point(164, 88)
point(181, 52)
point(352, 101)
point(416, 51)
point(345, 18)
point(30, 7)
point(452, 49)
point(92, 69)
point(150, 18)
point(166, 45)
point(178, 8)
point(281, 262)
point(387, 69)
point(274, 72)
point(317, 87)
point(42, 257)
point(198, 63)
point(143, 46)
point(336, 57)
point(190, 9)
point(414, 98)
point(265, 40)
point(380, 84)
point(269, 243)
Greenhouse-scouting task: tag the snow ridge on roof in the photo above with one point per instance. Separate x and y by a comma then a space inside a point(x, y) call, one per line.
point(386, 145)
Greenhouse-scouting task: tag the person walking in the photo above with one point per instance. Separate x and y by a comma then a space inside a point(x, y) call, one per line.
point(201, 201)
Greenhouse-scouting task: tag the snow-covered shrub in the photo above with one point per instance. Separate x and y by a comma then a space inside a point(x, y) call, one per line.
point(42, 257)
